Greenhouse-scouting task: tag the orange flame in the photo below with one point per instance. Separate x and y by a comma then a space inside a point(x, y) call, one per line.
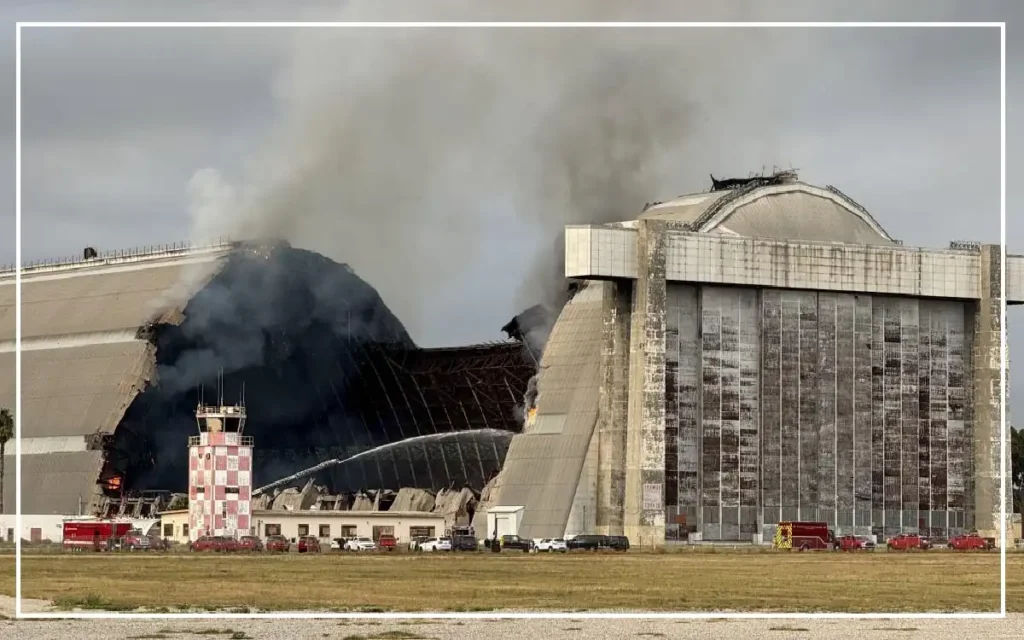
point(113, 483)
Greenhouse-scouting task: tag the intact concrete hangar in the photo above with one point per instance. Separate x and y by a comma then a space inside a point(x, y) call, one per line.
point(761, 352)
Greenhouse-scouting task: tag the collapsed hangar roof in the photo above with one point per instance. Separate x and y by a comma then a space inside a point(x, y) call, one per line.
point(775, 206)
point(93, 329)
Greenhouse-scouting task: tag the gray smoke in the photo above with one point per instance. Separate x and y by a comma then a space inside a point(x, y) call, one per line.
point(415, 154)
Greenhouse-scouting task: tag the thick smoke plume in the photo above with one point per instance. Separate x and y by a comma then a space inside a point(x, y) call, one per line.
point(420, 156)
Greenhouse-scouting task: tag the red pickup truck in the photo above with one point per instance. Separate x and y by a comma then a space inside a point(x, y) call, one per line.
point(849, 543)
point(969, 542)
point(386, 541)
point(908, 541)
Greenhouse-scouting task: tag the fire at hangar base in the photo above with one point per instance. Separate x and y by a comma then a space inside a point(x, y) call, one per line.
point(761, 352)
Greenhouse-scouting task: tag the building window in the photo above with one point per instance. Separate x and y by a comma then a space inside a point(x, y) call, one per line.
point(325, 531)
point(271, 530)
point(303, 530)
point(231, 490)
point(421, 532)
point(169, 530)
point(348, 531)
point(184, 530)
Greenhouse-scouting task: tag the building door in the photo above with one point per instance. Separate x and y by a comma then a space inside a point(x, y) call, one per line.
point(36, 535)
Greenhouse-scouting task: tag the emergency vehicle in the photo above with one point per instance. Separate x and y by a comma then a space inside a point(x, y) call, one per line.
point(92, 534)
point(804, 536)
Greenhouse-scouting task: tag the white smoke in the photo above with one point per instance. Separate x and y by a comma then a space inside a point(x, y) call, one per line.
point(418, 155)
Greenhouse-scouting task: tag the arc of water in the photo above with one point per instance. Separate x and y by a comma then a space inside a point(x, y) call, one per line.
point(424, 439)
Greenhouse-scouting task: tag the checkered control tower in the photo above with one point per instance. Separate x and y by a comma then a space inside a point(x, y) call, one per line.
point(220, 472)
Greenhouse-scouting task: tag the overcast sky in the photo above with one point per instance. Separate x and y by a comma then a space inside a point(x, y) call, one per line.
point(116, 123)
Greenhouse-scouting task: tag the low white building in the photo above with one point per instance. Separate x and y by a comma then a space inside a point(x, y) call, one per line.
point(504, 521)
point(325, 525)
point(49, 527)
point(34, 528)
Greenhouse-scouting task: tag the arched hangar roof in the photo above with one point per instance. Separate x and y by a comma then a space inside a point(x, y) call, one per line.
point(786, 210)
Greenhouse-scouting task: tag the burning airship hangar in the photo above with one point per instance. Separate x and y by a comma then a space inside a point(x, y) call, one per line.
point(763, 351)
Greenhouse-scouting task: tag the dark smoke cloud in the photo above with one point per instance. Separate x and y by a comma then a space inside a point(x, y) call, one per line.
point(405, 152)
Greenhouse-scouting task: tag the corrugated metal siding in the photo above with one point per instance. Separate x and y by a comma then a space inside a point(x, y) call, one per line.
point(858, 415)
point(121, 298)
point(541, 471)
point(801, 216)
point(76, 391)
point(53, 483)
point(682, 411)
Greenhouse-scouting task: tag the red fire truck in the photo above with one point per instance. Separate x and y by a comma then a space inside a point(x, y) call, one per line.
point(92, 534)
point(805, 536)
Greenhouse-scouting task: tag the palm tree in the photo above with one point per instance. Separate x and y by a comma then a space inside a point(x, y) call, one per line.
point(6, 433)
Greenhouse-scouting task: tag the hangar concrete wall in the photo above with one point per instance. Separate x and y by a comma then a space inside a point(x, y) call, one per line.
point(772, 379)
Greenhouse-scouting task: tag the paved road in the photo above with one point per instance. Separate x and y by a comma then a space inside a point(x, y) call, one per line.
point(576, 629)
point(517, 629)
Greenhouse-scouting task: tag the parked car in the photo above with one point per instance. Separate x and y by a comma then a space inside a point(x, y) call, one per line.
point(849, 543)
point(970, 542)
point(463, 538)
point(515, 542)
point(308, 544)
point(587, 542)
point(908, 541)
point(551, 544)
point(250, 543)
point(156, 543)
point(206, 543)
point(415, 543)
point(866, 543)
point(360, 544)
point(278, 544)
point(135, 540)
point(227, 543)
point(386, 541)
point(618, 543)
point(436, 544)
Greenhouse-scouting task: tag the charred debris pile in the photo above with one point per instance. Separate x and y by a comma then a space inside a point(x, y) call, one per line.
point(328, 372)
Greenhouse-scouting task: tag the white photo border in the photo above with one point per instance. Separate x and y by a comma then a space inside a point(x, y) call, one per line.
point(19, 614)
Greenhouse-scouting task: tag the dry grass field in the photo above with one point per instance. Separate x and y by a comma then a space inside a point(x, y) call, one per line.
point(887, 582)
